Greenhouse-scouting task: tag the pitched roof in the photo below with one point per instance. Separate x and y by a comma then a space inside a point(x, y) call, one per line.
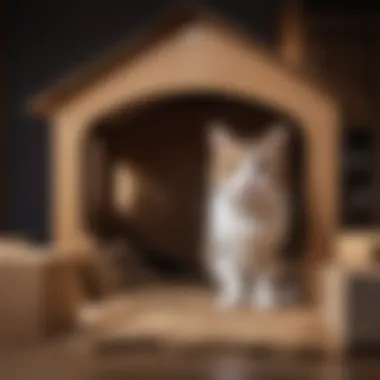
point(172, 21)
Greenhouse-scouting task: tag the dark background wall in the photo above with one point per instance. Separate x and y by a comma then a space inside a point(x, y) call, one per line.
point(44, 40)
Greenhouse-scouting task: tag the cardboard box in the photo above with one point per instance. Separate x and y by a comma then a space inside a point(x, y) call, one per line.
point(40, 292)
point(357, 248)
point(350, 307)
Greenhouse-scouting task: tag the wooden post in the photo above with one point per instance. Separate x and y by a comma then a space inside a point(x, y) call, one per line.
point(2, 126)
point(376, 158)
point(376, 171)
point(292, 46)
point(106, 181)
point(293, 33)
point(97, 190)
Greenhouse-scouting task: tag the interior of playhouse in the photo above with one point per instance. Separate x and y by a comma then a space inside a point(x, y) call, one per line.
point(130, 160)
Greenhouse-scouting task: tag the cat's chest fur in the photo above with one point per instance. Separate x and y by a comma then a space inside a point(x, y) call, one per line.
point(246, 237)
point(227, 224)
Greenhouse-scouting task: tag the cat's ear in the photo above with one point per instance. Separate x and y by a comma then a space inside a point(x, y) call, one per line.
point(219, 135)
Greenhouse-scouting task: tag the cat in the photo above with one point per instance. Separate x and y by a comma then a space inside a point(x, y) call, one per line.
point(247, 215)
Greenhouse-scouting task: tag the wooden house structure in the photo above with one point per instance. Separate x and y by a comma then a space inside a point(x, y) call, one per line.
point(129, 134)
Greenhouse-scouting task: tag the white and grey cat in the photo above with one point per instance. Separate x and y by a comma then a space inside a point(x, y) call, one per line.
point(248, 216)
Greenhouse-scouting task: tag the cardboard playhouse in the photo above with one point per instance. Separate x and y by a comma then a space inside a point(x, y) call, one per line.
point(128, 139)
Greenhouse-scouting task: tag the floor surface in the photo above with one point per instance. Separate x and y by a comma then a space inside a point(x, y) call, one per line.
point(74, 360)
point(184, 316)
point(184, 319)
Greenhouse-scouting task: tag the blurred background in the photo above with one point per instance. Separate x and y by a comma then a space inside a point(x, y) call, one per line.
point(43, 41)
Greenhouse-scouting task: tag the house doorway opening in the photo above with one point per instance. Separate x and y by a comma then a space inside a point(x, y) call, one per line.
point(145, 177)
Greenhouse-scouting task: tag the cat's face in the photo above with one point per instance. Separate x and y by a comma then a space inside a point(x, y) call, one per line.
point(248, 171)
